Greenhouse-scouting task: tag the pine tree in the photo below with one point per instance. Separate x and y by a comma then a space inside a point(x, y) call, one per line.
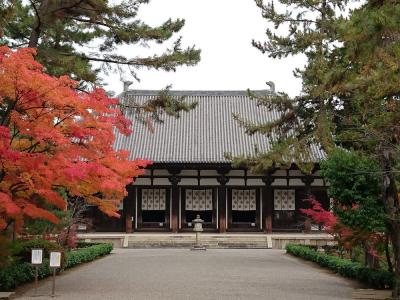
point(62, 30)
point(305, 120)
point(350, 96)
point(366, 81)
point(57, 27)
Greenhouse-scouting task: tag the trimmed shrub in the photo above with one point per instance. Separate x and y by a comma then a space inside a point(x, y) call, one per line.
point(22, 249)
point(76, 257)
point(22, 272)
point(374, 278)
point(82, 244)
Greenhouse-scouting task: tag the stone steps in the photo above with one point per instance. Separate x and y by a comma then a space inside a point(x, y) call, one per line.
point(187, 241)
point(190, 243)
point(210, 241)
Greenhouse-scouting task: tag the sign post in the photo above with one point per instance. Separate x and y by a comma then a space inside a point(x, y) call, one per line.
point(55, 262)
point(36, 260)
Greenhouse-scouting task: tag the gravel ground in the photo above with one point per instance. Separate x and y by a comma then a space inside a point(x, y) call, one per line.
point(183, 274)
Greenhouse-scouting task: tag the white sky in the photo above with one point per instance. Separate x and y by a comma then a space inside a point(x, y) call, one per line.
point(223, 30)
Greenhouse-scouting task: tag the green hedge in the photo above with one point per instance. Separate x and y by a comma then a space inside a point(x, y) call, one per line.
point(373, 278)
point(82, 244)
point(21, 249)
point(23, 272)
point(82, 255)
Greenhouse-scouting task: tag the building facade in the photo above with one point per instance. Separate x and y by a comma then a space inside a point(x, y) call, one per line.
point(191, 176)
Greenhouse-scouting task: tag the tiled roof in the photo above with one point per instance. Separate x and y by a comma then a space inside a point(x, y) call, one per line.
point(202, 135)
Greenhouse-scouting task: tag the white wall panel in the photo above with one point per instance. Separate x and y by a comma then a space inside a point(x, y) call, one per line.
point(279, 182)
point(208, 181)
point(161, 181)
point(235, 181)
point(254, 181)
point(296, 182)
point(188, 181)
point(279, 173)
point(236, 173)
point(250, 174)
point(161, 172)
point(317, 182)
point(142, 181)
point(209, 173)
point(188, 173)
point(295, 173)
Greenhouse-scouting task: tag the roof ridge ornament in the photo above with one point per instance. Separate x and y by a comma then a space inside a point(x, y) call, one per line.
point(126, 85)
point(271, 85)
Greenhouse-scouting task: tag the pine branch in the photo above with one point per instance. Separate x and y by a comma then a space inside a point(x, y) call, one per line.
point(167, 61)
point(89, 21)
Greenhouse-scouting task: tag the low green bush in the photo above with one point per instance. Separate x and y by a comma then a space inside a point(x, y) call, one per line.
point(373, 278)
point(76, 257)
point(82, 244)
point(21, 249)
point(23, 272)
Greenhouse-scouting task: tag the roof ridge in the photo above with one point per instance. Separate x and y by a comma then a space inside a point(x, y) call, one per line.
point(195, 92)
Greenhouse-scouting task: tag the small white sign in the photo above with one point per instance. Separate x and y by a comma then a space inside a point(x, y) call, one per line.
point(37, 256)
point(55, 259)
point(82, 227)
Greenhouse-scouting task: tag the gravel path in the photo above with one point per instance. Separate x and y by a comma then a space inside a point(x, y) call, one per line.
point(183, 274)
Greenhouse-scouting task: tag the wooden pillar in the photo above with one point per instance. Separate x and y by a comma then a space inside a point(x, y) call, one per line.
point(267, 201)
point(222, 202)
point(307, 181)
point(129, 208)
point(175, 203)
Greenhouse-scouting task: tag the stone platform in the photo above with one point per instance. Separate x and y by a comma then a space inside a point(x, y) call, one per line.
point(211, 241)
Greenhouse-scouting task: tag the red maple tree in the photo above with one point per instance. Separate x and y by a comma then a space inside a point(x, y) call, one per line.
point(319, 215)
point(54, 137)
point(346, 236)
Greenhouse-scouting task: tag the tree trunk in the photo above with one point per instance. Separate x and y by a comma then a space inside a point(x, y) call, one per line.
point(34, 37)
point(387, 252)
point(370, 260)
point(40, 18)
point(391, 203)
point(395, 237)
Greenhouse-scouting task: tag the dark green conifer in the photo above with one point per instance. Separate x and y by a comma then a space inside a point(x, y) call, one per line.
point(351, 91)
point(58, 27)
point(304, 120)
point(64, 30)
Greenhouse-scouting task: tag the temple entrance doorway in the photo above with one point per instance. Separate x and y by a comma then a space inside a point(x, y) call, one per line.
point(153, 209)
point(243, 209)
point(198, 201)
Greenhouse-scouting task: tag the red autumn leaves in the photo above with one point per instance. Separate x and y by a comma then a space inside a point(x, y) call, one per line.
point(54, 137)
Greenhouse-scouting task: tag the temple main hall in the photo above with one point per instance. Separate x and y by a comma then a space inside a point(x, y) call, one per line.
point(191, 175)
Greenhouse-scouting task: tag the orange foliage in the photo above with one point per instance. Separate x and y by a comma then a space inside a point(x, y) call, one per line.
point(51, 136)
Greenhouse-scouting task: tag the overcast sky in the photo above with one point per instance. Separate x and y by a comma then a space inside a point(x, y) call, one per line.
point(223, 30)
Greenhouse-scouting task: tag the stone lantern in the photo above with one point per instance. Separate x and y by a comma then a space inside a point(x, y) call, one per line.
point(198, 227)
